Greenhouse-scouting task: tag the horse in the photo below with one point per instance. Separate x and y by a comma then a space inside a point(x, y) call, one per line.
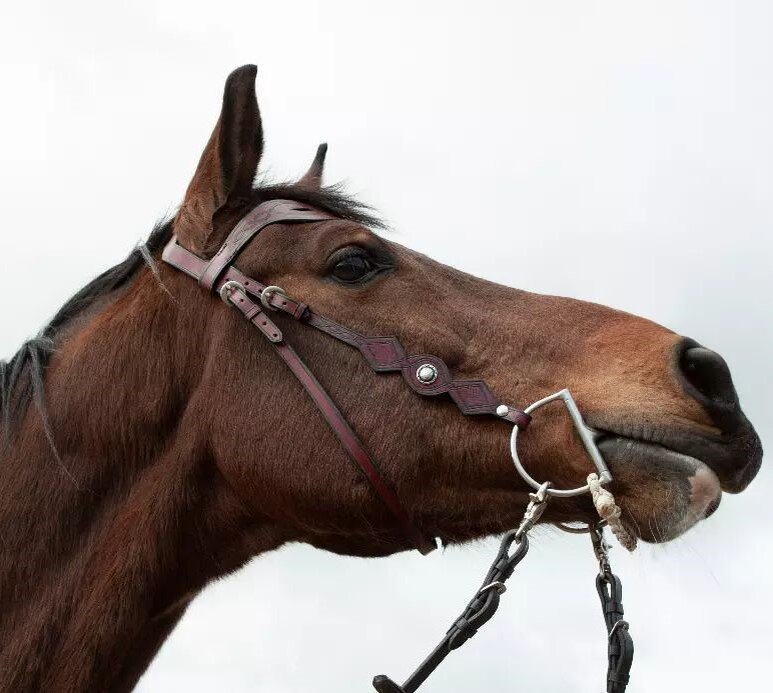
point(152, 441)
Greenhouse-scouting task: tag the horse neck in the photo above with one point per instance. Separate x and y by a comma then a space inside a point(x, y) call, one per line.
point(103, 548)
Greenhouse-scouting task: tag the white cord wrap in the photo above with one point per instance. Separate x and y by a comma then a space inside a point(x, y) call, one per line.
point(610, 511)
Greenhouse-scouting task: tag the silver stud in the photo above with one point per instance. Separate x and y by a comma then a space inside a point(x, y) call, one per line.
point(503, 410)
point(426, 373)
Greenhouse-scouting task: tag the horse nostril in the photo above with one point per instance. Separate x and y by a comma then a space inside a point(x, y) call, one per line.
point(708, 373)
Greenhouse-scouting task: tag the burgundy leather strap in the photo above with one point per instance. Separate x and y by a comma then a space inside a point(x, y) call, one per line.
point(384, 354)
point(353, 445)
point(335, 419)
point(250, 226)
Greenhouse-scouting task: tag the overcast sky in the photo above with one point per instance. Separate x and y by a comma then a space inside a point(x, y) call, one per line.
point(613, 151)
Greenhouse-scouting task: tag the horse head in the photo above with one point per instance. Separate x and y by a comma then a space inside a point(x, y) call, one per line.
point(672, 430)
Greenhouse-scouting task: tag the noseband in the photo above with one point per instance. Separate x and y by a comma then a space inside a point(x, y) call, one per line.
point(428, 376)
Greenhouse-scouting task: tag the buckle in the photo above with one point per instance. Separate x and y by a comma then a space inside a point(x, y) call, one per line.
point(228, 288)
point(267, 293)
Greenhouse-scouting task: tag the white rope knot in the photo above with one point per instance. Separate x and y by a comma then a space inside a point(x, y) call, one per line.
point(610, 511)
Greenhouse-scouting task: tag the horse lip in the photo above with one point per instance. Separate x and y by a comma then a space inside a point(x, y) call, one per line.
point(616, 439)
point(711, 508)
point(721, 455)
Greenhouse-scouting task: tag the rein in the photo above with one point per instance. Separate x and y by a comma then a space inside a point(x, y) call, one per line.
point(485, 603)
point(428, 376)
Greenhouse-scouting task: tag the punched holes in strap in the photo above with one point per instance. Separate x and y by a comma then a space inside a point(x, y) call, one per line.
point(254, 313)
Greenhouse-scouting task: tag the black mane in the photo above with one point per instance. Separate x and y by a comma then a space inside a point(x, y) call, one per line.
point(22, 377)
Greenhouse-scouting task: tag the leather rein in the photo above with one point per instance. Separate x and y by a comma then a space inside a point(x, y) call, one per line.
point(429, 376)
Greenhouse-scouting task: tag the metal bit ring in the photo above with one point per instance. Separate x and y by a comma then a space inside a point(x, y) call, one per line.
point(587, 435)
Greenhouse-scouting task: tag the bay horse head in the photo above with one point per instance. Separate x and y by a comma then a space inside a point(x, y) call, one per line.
point(182, 446)
point(674, 434)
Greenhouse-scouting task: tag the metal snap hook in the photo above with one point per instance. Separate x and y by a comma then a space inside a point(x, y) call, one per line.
point(587, 435)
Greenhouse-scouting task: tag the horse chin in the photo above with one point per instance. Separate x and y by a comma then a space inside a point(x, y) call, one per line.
point(662, 492)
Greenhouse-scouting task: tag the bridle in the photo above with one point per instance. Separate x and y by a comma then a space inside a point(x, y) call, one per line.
point(428, 376)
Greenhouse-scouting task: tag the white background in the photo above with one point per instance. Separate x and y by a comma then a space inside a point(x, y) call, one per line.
point(621, 152)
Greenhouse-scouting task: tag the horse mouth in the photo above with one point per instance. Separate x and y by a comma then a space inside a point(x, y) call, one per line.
point(663, 491)
point(735, 458)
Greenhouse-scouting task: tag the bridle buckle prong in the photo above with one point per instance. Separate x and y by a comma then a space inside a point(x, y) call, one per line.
point(267, 293)
point(228, 289)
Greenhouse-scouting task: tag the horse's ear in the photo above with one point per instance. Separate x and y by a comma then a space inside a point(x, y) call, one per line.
point(221, 186)
point(313, 177)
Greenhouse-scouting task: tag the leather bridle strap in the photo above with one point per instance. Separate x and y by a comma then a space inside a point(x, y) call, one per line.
point(384, 354)
point(250, 226)
point(335, 419)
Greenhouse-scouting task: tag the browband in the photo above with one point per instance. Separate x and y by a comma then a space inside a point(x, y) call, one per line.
point(426, 374)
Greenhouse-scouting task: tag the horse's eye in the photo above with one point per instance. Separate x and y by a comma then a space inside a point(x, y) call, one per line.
point(353, 268)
